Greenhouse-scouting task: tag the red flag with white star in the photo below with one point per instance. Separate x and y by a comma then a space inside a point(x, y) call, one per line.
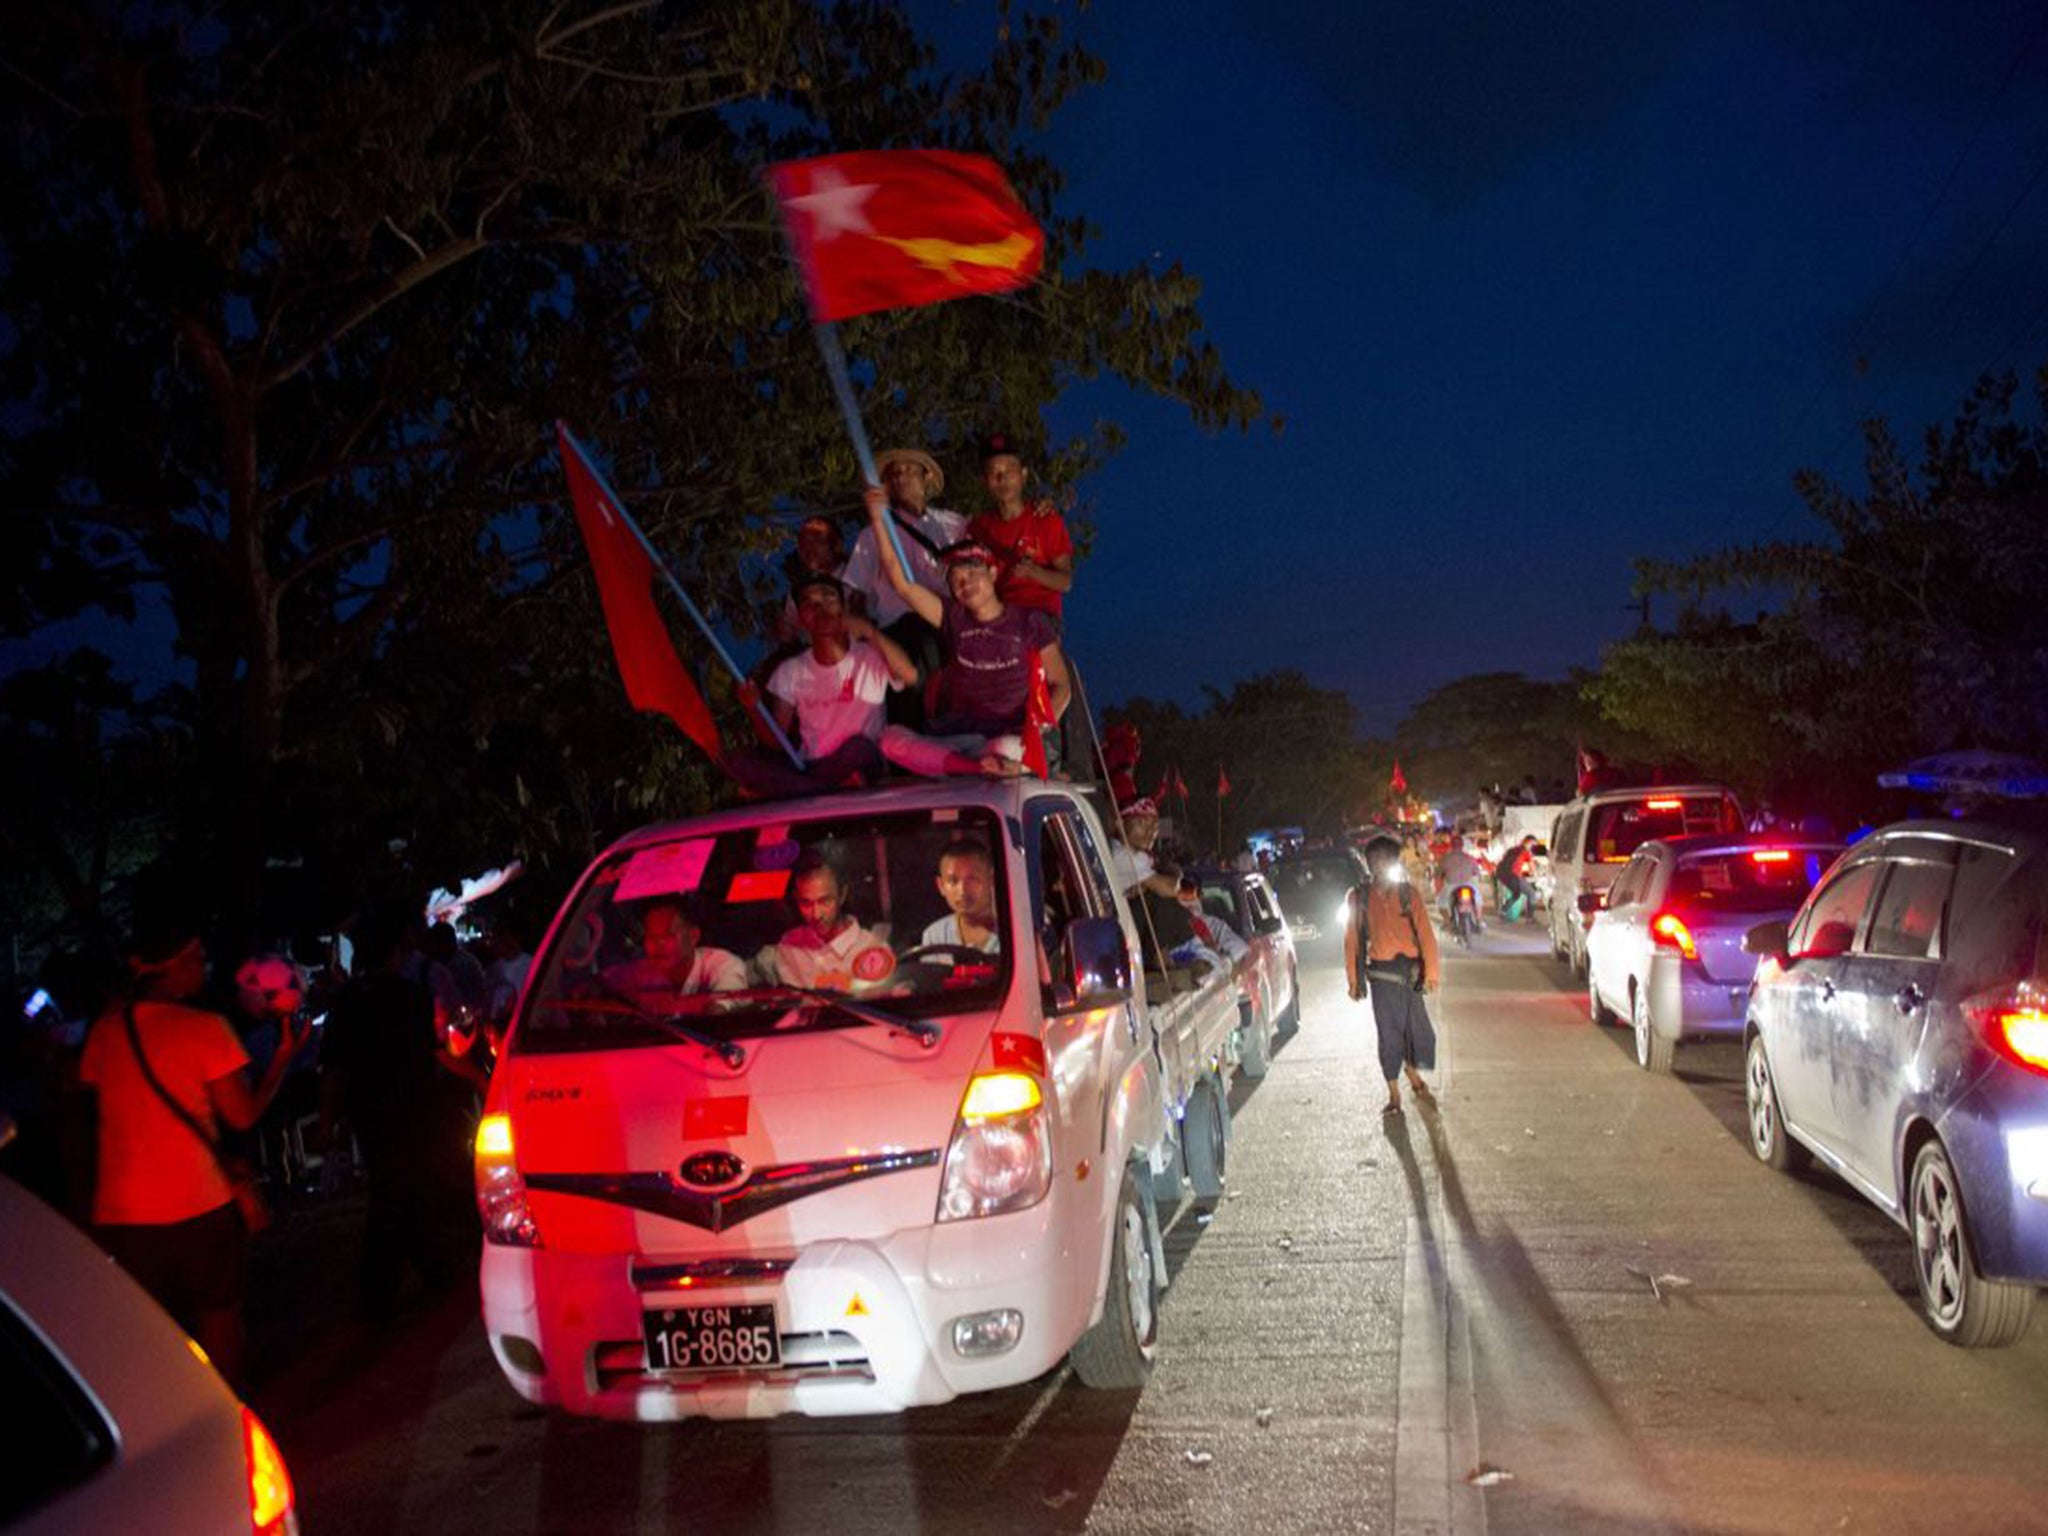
point(888, 229)
point(1399, 783)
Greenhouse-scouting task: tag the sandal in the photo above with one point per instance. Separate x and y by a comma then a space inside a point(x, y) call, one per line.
point(1421, 1091)
point(1391, 1108)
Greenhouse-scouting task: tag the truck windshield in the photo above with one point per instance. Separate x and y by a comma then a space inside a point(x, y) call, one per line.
point(750, 931)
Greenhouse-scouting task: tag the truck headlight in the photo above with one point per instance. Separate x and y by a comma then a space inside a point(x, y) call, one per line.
point(1000, 1157)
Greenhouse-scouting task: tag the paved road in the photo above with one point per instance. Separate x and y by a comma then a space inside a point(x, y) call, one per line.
point(1378, 1311)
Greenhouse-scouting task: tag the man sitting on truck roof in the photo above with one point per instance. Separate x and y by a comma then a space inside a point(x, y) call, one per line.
point(828, 948)
point(673, 961)
point(832, 694)
point(979, 723)
point(967, 879)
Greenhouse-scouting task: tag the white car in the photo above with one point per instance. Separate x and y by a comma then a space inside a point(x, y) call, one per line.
point(891, 1163)
point(1664, 951)
point(115, 1420)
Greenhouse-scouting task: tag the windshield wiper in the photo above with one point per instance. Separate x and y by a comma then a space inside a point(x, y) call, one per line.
point(923, 1031)
point(726, 1051)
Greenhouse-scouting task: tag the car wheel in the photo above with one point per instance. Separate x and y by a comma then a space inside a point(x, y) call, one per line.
point(1580, 961)
point(1767, 1136)
point(1559, 950)
point(1960, 1305)
point(1254, 1045)
point(1601, 1015)
point(1290, 1019)
point(1204, 1140)
point(1116, 1354)
point(1653, 1051)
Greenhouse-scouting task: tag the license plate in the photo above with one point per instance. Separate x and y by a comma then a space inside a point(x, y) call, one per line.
point(712, 1339)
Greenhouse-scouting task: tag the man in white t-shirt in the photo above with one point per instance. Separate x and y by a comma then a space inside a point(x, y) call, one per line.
point(827, 948)
point(673, 962)
point(967, 879)
point(830, 696)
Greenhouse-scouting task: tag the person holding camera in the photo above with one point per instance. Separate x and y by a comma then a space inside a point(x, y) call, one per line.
point(1390, 951)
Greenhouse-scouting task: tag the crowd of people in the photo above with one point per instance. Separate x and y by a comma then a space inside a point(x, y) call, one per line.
point(168, 1104)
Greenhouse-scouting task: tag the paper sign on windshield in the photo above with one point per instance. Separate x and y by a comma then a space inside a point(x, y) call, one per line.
point(669, 869)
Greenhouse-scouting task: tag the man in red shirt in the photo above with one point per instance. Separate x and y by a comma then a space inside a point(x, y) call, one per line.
point(1029, 539)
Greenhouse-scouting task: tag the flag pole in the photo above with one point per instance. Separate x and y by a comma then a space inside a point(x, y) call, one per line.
point(654, 558)
point(849, 407)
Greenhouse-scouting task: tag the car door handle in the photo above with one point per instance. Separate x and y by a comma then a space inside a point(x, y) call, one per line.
point(1827, 990)
point(1908, 998)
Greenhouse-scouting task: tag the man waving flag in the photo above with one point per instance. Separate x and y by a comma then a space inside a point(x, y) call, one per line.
point(889, 229)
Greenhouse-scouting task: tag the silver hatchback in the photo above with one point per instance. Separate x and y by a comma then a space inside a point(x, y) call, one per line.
point(1898, 1031)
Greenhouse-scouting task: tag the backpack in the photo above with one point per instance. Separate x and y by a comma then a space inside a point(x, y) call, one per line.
point(1361, 911)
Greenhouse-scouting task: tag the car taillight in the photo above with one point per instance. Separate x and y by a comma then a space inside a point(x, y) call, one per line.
point(500, 1191)
point(270, 1485)
point(2015, 1024)
point(1000, 1157)
point(1667, 929)
point(1663, 805)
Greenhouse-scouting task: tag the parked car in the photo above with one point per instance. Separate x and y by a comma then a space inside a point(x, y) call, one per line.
point(1312, 887)
point(119, 1422)
point(1598, 833)
point(1268, 974)
point(926, 1160)
point(1664, 953)
point(1898, 1031)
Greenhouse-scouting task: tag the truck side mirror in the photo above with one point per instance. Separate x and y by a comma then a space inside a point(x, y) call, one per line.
point(1094, 966)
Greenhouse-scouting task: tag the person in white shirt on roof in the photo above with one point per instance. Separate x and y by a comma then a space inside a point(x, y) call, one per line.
point(967, 880)
point(831, 695)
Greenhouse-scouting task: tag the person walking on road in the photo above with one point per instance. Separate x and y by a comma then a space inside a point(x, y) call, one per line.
point(1390, 950)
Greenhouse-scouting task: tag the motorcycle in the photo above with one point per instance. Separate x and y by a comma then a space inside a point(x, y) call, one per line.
point(1464, 914)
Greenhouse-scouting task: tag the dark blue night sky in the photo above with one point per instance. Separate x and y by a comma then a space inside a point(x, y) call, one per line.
point(1538, 290)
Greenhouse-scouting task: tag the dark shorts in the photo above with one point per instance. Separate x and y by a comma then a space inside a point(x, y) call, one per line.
point(1402, 1020)
point(191, 1267)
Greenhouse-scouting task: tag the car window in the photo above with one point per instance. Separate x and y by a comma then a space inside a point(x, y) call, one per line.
point(1616, 829)
point(1829, 926)
point(1565, 840)
point(1750, 880)
point(1908, 921)
point(1634, 881)
point(1994, 919)
point(59, 1438)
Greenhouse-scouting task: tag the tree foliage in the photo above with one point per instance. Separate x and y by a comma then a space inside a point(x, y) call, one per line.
point(1291, 751)
point(1496, 728)
point(1913, 624)
point(294, 293)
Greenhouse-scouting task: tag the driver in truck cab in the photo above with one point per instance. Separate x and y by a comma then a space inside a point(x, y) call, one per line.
point(967, 880)
point(828, 948)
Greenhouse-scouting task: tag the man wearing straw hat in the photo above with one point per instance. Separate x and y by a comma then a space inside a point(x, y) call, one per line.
point(910, 477)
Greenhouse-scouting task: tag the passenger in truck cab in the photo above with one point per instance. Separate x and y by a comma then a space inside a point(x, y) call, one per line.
point(827, 948)
point(967, 880)
point(673, 960)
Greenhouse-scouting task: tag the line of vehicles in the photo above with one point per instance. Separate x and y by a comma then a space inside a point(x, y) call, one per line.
point(1891, 998)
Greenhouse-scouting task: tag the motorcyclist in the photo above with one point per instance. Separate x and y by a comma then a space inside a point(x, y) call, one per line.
point(1457, 867)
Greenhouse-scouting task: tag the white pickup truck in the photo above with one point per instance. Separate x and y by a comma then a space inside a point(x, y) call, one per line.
point(793, 1119)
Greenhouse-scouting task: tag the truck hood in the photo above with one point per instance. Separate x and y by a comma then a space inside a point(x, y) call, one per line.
point(834, 1133)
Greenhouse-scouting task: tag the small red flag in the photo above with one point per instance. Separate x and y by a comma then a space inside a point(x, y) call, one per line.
point(1037, 719)
point(655, 676)
point(1399, 783)
point(1222, 783)
point(887, 229)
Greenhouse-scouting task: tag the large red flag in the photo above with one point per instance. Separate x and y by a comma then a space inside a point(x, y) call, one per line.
point(654, 675)
point(887, 229)
point(1222, 785)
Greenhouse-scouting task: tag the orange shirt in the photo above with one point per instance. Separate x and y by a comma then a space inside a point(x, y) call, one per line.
point(1391, 933)
point(152, 1169)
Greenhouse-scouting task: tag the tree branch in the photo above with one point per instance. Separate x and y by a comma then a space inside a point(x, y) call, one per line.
point(450, 255)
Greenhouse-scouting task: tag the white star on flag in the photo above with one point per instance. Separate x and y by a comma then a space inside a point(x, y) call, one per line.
point(833, 206)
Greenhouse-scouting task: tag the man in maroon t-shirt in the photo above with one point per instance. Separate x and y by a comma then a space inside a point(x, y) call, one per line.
point(980, 717)
point(1030, 541)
